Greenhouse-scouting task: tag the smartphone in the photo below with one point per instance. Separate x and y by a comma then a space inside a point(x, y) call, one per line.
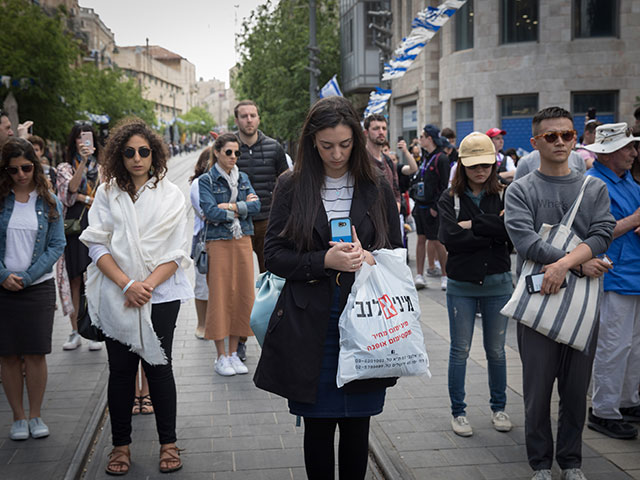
point(400, 138)
point(341, 229)
point(534, 282)
point(87, 139)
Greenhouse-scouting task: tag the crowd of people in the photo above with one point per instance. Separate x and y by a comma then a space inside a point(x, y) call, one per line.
point(107, 224)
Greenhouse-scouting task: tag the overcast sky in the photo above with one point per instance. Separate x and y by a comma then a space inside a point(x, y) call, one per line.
point(202, 31)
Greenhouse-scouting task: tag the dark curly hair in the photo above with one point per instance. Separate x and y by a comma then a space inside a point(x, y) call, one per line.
point(19, 147)
point(113, 161)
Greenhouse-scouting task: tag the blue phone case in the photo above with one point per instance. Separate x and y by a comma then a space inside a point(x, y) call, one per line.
point(340, 229)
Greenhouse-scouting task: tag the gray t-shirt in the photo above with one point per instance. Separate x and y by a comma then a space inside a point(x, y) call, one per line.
point(536, 199)
point(531, 162)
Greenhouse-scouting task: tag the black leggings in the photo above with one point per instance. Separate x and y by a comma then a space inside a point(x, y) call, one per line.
point(123, 367)
point(353, 447)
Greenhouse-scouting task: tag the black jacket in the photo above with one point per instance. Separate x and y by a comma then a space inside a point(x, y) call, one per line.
point(480, 251)
point(434, 171)
point(292, 352)
point(263, 162)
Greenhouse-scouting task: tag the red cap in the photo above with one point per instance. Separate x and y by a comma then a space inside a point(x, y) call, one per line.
point(493, 132)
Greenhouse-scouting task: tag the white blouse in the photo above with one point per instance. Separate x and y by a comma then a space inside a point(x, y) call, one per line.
point(22, 231)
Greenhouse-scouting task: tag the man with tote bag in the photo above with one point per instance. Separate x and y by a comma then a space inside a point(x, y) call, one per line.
point(533, 203)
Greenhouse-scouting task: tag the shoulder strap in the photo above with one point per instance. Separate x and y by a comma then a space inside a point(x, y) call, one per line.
point(571, 214)
point(456, 204)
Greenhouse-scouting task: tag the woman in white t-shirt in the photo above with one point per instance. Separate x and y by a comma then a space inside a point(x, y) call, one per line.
point(31, 241)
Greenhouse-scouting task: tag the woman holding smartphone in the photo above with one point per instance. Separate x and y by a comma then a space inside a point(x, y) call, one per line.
point(228, 202)
point(332, 178)
point(31, 241)
point(479, 269)
point(137, 240)
point(77, 180)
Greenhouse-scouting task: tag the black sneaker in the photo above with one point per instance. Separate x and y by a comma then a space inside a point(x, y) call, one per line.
point(242, 351)
point(611, 427)
point(631, 414)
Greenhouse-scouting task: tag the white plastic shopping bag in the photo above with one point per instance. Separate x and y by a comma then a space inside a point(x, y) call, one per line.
point(380, 333)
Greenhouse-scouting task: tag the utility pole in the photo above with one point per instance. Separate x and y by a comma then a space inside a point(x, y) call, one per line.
point(314, 72)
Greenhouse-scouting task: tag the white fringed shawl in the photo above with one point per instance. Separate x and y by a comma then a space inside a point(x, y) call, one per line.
point(140, 236)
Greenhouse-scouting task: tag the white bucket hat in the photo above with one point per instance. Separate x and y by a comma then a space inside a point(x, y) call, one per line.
point(611, 137)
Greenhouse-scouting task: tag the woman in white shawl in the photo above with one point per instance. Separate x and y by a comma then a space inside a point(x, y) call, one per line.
point(138, 243)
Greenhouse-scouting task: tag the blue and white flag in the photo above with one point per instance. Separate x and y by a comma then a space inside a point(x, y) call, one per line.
point(330, 89)
point(423, 28)
point(377, 101)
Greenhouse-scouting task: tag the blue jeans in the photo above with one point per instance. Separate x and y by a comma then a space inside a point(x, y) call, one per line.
point(462, 314)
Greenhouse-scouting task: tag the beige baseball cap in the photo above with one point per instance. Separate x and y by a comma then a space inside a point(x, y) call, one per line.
point(475, 149)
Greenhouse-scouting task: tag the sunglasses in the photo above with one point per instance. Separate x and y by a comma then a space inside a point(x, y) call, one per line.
point(25, 168)
point(550, 137)
point(130, 152)
point(229, 152)
point(480, 165)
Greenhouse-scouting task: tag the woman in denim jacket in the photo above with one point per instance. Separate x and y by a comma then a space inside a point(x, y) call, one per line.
point(31, 240)
point(228, 202)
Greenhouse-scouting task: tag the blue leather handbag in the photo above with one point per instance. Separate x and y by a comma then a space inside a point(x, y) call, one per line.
point(269, 287)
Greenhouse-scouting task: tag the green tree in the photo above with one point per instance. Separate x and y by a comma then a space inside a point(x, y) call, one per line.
point(274, 55)
point(35, 47)
point(112, 93)
point(198, 120)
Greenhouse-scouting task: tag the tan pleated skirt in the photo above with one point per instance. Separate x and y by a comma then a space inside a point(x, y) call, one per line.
point(231, 288)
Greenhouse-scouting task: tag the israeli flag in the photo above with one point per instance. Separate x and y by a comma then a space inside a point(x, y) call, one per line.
point(330, 89)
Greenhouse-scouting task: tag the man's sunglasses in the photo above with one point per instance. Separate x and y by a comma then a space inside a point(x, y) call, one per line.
point(480, 165)
point(130, 152)
point(229, 152)
point(25, 168)
point(550, 137)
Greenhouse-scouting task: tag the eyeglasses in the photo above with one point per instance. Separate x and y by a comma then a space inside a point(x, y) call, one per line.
point(480, 165)
point(229, 152)
point(27, 168)
point(550, 137)
point(130, 152)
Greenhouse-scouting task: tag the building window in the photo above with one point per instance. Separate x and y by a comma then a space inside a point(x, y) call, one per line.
point(464, 118)
point(595, 18)
point(519, 21)
point(516, 115)
point(348, 36)
point(409, 122)
point(602, 103)
point(464, 26)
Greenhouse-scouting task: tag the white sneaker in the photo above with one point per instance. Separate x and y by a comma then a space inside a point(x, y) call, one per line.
point(572, 474)
point(443, 283)
point(95, 346)
point(501, 421)
point(74, 341)
point(237, 365)
point(461, 426)
point(223, 367)
point(419, 282)
point(542, 475)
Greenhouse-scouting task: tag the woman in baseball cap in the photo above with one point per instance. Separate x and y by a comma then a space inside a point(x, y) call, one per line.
point(479, 268)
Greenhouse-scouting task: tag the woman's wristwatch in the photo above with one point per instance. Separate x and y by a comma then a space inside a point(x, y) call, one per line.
point(87, 199)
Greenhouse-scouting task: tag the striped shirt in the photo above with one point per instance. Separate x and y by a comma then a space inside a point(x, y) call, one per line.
point(336, 196)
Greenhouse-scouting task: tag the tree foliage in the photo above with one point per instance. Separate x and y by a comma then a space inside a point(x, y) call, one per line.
point(199, 121)
point(34, 47)
point(274, 55)
point(112, 93)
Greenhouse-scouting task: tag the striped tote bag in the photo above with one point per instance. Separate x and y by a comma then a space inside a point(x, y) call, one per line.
point(570, 315)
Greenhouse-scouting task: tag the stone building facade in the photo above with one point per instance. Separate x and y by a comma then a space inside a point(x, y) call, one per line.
point(218, 100)
point(166, 78)
point(497, 62)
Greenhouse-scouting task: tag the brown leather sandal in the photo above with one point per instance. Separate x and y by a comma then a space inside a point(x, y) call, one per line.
point(170, 458)
point(119, 461)
point(146, 407)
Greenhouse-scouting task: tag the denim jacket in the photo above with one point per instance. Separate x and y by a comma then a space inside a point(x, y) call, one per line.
point(214, 190)
point(50, 240)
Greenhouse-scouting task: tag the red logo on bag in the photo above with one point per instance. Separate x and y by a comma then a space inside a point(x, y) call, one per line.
point(388, 309)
